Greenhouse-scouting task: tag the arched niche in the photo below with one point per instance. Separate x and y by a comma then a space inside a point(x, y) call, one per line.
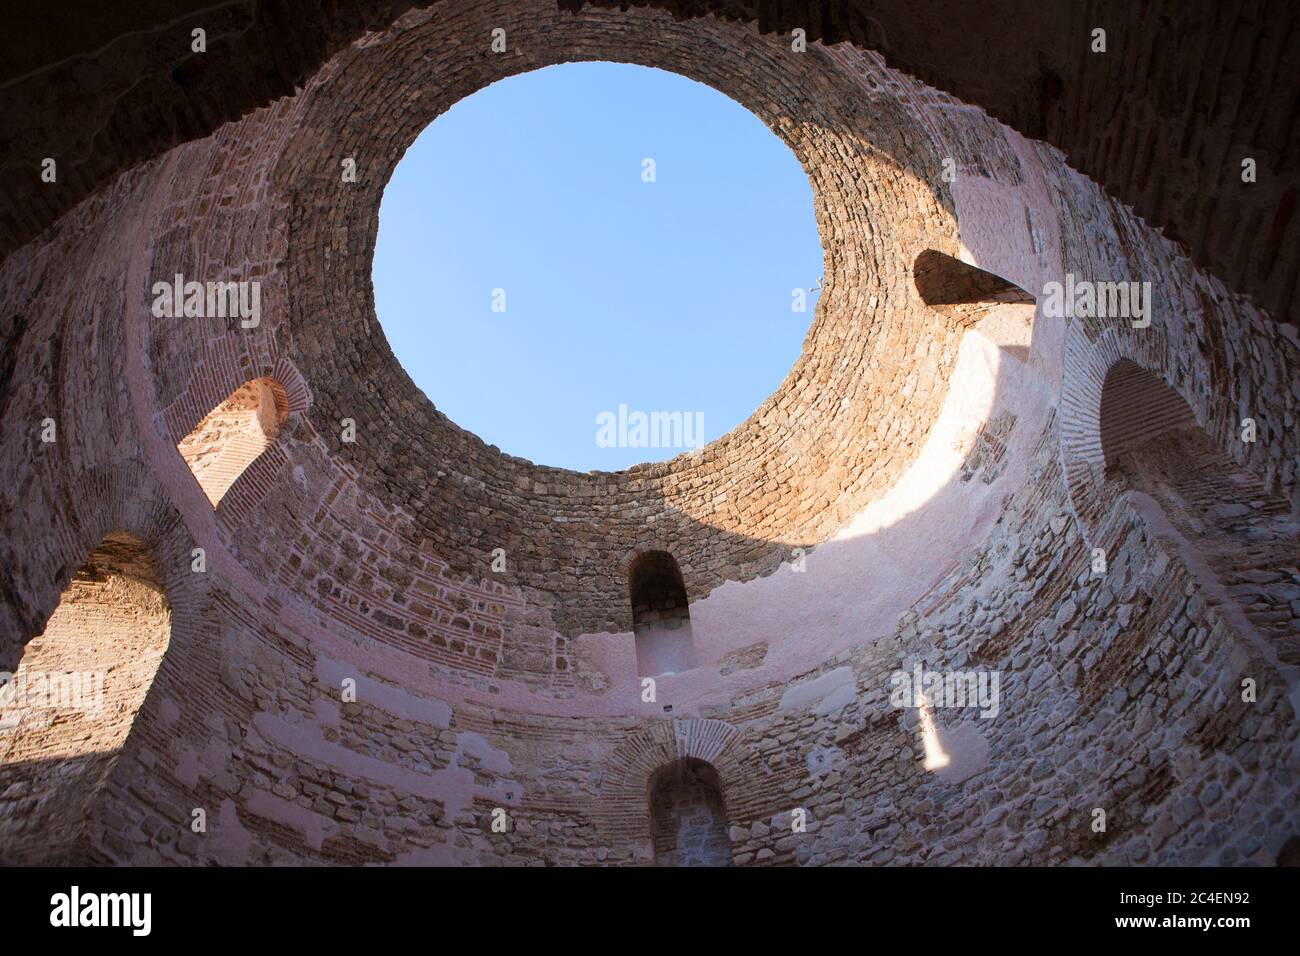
point(961, 291)
point(661, 616)
point(688, 819)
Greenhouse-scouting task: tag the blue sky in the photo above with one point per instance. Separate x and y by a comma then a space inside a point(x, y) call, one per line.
point(672, 295)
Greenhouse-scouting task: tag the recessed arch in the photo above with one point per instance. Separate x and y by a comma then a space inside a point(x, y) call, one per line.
point(661, 615)
point(234, 434)
point(1151, 443)
point(1135, 408)
point(688, 816)
point(751, 790)
point(822, 425)
point(69, 707)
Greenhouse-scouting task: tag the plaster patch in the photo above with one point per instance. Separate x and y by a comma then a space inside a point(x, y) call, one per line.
point(837, 700)
point(816, 691)
point(471, 744)
point(400, 703)
point(967, 750)
point(313, 827)
point(229, 841)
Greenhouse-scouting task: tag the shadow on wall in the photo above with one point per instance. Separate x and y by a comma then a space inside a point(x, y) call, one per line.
point(962, 291)
point(67, 713)
point(561, 528)
point(967, 294)
point(345, 283)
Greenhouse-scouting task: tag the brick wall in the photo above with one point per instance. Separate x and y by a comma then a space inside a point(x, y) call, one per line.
point(1162, 120)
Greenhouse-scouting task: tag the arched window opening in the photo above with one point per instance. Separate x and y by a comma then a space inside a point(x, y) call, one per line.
point(661, 617)
point(1151, 442)
point(688, 820)
point(66, 712)
point(233, 434)
point(964, 292)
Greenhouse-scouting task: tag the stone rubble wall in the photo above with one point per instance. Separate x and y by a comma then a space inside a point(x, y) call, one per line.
point(329, 562)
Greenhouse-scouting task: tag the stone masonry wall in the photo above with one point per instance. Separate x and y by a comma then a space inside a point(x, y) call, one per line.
point(348, 682)
point(1119, 691)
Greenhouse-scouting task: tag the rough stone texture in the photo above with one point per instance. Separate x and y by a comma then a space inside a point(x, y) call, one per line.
point(348, 681)
point(1244, 535)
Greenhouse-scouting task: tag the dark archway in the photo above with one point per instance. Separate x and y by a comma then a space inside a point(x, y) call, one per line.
point(688, 820)
point(1137, 409)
